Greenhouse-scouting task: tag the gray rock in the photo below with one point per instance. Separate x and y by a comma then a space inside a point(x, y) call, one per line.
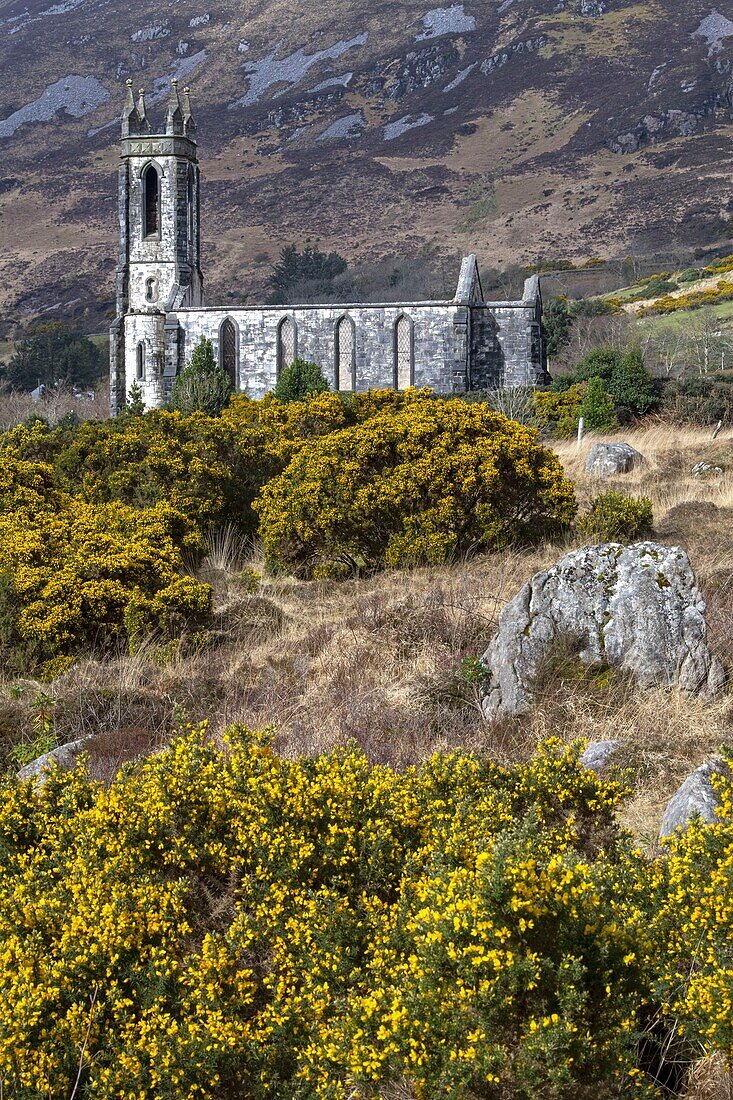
point(706, 469)
point(695, 798)
point(608, 459)
point(634, 608)
point(598, 754)
point(63, 758)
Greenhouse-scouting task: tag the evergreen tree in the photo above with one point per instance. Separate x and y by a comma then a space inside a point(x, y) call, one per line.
point(52, 353)
point(598, 410)
point(201, 386)
point(556, 322)
point(305, 276)
point(135, 406)
point(299, 380)
point(630, 385)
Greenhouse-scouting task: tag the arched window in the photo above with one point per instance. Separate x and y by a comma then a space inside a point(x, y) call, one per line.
point(150, 290)
point(228, 351)
point(151, 200)
point(404, 353)
point(140, 364)
point(345, 354)
point(287, 344)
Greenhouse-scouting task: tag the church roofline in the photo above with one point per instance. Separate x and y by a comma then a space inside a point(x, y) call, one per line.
point(344, 307)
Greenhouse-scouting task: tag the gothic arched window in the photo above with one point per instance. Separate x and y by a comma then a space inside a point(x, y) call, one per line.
point(140, 364)
point(404, 353)
point(345, 354)
point(151, 200)
point(287, 344)
point(228, 351)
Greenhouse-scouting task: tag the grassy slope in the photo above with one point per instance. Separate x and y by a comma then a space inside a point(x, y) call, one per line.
point(379, 659)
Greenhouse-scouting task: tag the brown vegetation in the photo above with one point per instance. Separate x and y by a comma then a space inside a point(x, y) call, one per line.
point(390, 661)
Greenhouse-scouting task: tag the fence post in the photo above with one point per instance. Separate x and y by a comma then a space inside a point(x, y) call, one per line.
point(581, 431)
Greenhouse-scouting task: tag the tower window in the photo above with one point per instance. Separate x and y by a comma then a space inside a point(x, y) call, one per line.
point(140, 364)
point(345, 355)
point(287, 344)
point(151, 200)
point(404, 353)
point(150, 292)
point(228, 351)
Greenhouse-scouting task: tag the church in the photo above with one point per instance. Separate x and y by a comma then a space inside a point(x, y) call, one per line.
point(452, 346)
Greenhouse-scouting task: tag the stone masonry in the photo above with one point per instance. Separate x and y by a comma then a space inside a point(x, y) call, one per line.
point(452, 346)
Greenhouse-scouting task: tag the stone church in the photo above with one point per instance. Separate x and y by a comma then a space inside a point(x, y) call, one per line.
point(452, 346)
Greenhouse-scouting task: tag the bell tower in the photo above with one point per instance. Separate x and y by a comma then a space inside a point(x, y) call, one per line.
point(159, 267)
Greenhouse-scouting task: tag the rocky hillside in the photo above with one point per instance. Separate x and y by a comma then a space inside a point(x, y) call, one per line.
point(517, 128)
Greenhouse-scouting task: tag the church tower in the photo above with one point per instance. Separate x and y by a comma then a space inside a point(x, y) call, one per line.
point(159, 268)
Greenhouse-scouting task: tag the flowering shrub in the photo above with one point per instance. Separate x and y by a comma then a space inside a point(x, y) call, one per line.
point(77, 576)
point(694, 916)
point(558, 413)
point(616, 517)
point(426, 483)
point(225, 923)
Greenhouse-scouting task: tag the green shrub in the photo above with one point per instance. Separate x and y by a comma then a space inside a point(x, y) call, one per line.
point(701, 400)
point(428, 482)
point(201, 386)
point(616, 517)
point(558, 410)
point(623, 374)
point(299, 380)
point(597, 408)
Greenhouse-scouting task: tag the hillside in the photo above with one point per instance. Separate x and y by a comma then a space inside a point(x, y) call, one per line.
point(518, 129)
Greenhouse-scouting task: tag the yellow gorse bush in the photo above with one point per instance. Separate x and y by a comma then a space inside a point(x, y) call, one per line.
point(427, 482)
point(223, 922)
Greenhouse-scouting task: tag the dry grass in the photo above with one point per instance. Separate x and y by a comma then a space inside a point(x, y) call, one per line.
point(15, 407)
point(710, 1079)
point(380, 660)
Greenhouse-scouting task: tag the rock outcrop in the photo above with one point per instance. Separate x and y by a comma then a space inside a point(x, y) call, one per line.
point(695, 798)
point(633, 608)
point(63, 758)
point(609, 459)
point(598, 755)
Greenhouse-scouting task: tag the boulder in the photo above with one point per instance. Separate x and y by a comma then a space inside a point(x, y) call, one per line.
point(695, 798)
point(598, 754)
point(64, 758)
point(706, 469)
point(633, 608)
point(608, 459)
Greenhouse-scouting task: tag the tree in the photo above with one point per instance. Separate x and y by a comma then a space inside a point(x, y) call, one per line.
point(299, 380)
point(630, 384)
point(201, 386)
point(305, 276)
point(556, 323)
point(625, 378)
point(708, 344)
point(52, 354)
point(597, 408)
point(135, 406)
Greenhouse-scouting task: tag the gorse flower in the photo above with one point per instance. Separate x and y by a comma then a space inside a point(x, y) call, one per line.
point(221, 922)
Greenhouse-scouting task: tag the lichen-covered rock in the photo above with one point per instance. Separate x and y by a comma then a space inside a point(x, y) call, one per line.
point(634, 608)
point(695, 798)
point(598, 755)
point(63, 758)
point(608, 459)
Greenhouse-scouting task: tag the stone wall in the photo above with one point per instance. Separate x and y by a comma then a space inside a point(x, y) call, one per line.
point(440, 344)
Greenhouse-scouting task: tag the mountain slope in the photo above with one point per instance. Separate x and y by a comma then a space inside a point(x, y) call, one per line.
point(516, 128)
